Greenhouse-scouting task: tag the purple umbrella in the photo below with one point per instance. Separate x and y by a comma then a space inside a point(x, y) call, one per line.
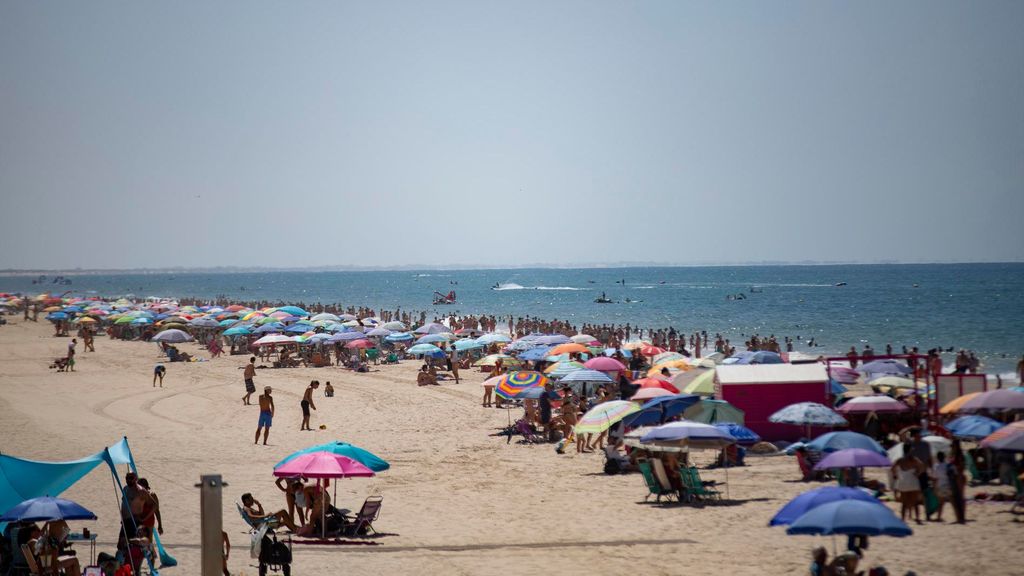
point(853, 458)
point(432, 328)
point(879, 404)
point(995, 400)
point(346, 336)
point(843, 375)
point(886, 367)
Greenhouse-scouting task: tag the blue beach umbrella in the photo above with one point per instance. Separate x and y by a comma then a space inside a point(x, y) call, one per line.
point(228, 322)
point(426, 349)
point(850, 517)
point(432, 339)
point(237, 331)
point(835, 441)
point(886, 367)
point(364, 457)
point(534, 354)
point(660, 409)
point(293, 310)
point(811, 499)
point(973, 427)
point(585, 375)
point(611, 352)
point(469, 344)
point(347, 336)
point(689, 434)
point(399, 337)
point(52, 316)
point(535, 392)
point(46, 508)
point(299, 328)
point(741, 433)
point(269, 328)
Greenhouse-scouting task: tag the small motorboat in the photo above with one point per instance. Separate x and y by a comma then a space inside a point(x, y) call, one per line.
point(444, 299)
point(840, 284)
point(602, 299)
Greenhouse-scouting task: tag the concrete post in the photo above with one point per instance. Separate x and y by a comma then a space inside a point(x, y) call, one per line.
point(211, 524)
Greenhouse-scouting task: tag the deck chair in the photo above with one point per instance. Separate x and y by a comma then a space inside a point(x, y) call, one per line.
point(977, 476)
point(362, 523)
point(694, 484)
point(255, 524)
point(654, 487)
point(30, 561)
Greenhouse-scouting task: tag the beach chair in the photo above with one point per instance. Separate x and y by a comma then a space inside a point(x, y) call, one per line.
point(694, 484)
point(255, 524)
point(523, 427)
point(30, 561)
point(656, 486)
point(362, 523)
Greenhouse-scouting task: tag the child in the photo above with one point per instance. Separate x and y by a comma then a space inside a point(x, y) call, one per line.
point(328, 390)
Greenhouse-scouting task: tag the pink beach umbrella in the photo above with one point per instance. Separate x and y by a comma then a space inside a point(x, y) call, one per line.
point(843, 375)
point(323, 464)
point(362, 343)
point(645, 394)
point(604, 364)
point(880, 404)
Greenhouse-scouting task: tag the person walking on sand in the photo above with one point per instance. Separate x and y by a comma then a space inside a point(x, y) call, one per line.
point(158, 374)
point(266, 415)
point(248, 375)
point(71, 354)
point(307, 403)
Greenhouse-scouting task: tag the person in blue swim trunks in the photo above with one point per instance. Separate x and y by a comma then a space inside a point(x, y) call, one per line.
point(266, 415)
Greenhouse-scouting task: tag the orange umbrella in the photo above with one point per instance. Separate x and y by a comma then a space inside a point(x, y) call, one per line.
point(568, 348)
point(678, 365)
point(656, 383)
point(954, 405)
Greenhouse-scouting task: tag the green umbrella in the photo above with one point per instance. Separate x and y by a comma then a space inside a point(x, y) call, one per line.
point(711, 411)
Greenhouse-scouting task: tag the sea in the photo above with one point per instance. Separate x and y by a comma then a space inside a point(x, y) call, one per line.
point(978, 307)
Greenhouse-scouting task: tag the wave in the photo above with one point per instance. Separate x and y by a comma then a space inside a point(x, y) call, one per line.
point(514, 286)
point(558, 288)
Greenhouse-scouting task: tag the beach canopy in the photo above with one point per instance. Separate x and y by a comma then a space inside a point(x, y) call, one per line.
point(973, 427)
point(811, 499)
point(173, 336)
point(853, 458)
point(604, 415)
point(322, 464)
point(850, 517)
point(687, 434)
point(807, 414)
point(880, 404)
point(47, 508)
point(835, 441)
point(364, 457)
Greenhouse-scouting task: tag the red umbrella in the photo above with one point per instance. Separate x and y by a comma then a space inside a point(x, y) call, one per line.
point(651, 350)
point(361, 343)
point(656, 383)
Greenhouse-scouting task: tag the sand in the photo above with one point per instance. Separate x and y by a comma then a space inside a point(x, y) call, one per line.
point(456, 500)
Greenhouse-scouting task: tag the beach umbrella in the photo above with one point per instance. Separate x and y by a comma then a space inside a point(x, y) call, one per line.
point(270, 328)
point(834, 441)
point(879, 404)
point(584, 375)
point(843, 375)
point(488, 339)
point(667, 357)
point(468, 344)
point(348, 336)
point(563, 368)
point(228, 322)
point(935, 443)
point(432, 339)
point(515, 382)
point(741, 433)
point(995, 400)
point(656, 383)
point(204, 322)
point(692, 435)
point(711, 411)
point(657, 410)
point(46, 508)
point(853, 458)
point(395, 326)
point(54, 316)
point(379, 332)
point(973, 427)
point(533, 354)
point(648, 393)
point(299, 328)
point(469, 332)
point(426, 349)
point(811, 499)
point(492, 359)
point(84, 320)
point(895, 382)
point(293, 310)
point(604, 415)
point(953, 406)
point(553, 339)
point(886, 367)
point(604, 364)
point(850, 517)
point(696, 382)
point(807, 414)
point(612, 351)
point(431, 328)
point(273, 339)
point(1009, 437)
point(237, 331)
point(583, 339)
point(355, 344)
point(569, 348)
point(326, 316)
point(364, 457)
point(671, 365)
point(322, 464)
point(173, 336)
point(399, 337)
point(535, 392)
point(651, 351)
point(636, 344)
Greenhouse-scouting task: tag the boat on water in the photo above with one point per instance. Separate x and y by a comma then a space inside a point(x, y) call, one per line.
point(602, 299)
point(840, 284)
point(444, 299)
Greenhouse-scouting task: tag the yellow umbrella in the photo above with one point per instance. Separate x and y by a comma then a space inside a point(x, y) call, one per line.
point(703, 384)
point(85, 319)
point(955, 404)
point(677, 365)
point(52, 309)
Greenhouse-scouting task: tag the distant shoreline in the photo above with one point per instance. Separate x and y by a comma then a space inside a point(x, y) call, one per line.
point(457, 267)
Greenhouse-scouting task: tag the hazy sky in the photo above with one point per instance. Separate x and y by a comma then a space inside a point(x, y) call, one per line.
point(140, 134)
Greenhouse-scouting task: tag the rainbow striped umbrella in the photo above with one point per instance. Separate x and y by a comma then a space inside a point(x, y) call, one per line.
point(601, 417)
point(515, 382)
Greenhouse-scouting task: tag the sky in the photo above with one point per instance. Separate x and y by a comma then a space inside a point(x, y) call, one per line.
point(303, 134)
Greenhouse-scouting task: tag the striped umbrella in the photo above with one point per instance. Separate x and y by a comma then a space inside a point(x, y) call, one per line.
point(953, 406)
point(604, 415)
point(563, 368)
point(515, 382)
point(651, 350)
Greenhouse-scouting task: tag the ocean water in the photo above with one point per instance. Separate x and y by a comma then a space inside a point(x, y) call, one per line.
point(974, 306)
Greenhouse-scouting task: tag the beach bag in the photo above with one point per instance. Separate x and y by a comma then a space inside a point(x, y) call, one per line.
point(931, 501)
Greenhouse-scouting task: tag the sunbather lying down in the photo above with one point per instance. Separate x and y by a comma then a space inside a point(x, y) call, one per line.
point(254, 510)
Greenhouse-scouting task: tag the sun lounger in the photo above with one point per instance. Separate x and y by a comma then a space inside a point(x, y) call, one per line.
point(254, 524)
point(362, 523)
point(654, 487)
point(694, 485)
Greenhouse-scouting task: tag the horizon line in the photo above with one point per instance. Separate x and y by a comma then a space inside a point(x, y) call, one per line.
point(468, 267)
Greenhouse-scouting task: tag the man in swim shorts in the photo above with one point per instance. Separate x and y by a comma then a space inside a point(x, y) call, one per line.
point(248, 375)
point(307, 403)
point(158, 374)
point(266, 415)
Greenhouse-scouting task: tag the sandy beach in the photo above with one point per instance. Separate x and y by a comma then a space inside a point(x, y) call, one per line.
point(456, 500)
